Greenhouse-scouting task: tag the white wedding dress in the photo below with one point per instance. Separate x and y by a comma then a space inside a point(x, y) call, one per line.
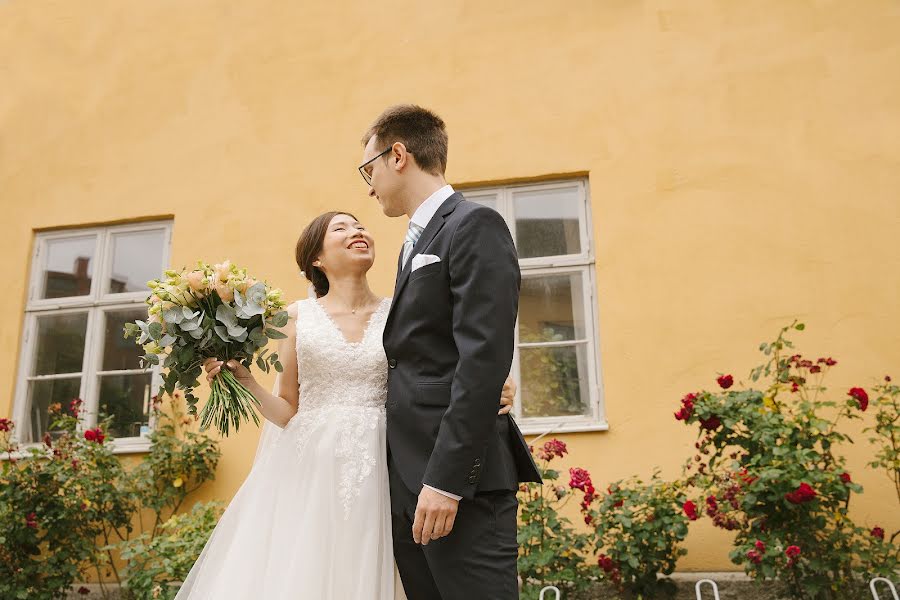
point(312, 519)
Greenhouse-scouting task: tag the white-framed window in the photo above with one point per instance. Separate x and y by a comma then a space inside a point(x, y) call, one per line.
point(85, 284)
point(556, 363)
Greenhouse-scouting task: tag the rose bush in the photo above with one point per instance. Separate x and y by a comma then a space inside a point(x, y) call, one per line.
point(767, 468)
point(68, 508)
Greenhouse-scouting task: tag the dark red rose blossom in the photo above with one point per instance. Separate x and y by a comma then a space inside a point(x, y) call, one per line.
point(579, 478)
point(878, 532)
point(794, 387)
point(815, 369)
point(802, 494)
point(845, 477)
point(725, 381)
point(760, 546)
point(687, 408)
point(554, 448)
point(754, 557)
point(31, 520)
point(588, 520)
point(84, 591)
point(861, 397)
point(712, 507)
point(48, 441)
point(690, 509)
point(5, 424)
point(830, 362)
point(606, 563)
point(711, 423)
point(792, 551)
point(94, 435)
point(887, 378)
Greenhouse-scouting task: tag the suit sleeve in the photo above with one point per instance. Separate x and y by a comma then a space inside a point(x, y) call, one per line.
point(484, 284)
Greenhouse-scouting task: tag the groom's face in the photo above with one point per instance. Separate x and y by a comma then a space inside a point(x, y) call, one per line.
point(386, 181)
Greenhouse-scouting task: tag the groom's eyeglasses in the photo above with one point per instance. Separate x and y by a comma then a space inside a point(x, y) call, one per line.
point(365, 169)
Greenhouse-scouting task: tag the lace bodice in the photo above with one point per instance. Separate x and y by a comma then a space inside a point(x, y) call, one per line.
point(333, 371)
point(343, 388)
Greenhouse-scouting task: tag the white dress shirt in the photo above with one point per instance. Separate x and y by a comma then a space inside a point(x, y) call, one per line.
point(422, 217)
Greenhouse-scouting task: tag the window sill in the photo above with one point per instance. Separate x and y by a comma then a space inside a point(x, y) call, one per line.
point(122, 446)
point(548, 427)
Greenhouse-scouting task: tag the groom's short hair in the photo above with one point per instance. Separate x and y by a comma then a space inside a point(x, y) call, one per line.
point(420, 130)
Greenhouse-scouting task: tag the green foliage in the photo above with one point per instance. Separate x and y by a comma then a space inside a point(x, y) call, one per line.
point(639, 528)
point(157, 563)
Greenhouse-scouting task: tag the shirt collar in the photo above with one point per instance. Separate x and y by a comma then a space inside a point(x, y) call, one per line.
point(426, 211)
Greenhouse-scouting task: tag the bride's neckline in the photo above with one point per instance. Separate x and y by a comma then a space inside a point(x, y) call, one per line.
point(340, 331)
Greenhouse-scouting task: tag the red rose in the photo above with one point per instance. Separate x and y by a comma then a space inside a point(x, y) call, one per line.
point(861, 397)
point(31, 520)
point(48, 441)
point(5, 424)
point(687, 408)
point(588, 520)
point(802, 494)
point(830, 362)
point(712, 507)
point(845, 477)
point(94, 435)
point(606, 563)
point(887, 378)
point(579, 478)
point(792, 551)
point(759, 545)
point(878, 532)
point(711, 423)
point(690, 509)
point(555, 447)
point(815, 369)
point(725, 381)
point(754, 557)
point(84, 591)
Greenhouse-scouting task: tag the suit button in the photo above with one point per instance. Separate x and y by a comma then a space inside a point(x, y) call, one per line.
point(392, 363)
point(472, 479)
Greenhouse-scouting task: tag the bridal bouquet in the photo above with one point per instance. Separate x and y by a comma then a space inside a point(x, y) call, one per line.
point(211, 311)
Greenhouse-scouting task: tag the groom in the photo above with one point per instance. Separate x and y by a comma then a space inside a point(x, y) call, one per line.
point(454, 463)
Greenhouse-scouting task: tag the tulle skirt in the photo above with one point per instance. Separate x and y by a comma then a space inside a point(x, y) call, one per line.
point(312, 519)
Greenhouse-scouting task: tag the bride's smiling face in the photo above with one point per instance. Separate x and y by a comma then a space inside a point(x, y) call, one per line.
point(347, 247)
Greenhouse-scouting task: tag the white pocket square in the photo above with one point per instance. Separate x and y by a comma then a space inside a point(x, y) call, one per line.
point(420, 260)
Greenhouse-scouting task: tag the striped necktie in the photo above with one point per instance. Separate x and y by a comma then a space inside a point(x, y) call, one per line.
point(412, 236)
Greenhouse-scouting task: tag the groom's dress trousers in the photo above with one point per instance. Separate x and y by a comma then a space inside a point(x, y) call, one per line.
point(449, 342)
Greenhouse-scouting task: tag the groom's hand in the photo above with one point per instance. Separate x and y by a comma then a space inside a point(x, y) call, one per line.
point(435, 514)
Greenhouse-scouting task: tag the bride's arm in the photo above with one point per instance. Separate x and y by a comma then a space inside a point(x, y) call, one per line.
point(276, 408)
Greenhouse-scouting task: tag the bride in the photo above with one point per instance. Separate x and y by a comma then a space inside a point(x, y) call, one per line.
point(312, 519)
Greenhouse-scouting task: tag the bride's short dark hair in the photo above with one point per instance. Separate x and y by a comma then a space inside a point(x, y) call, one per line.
point(310, 245)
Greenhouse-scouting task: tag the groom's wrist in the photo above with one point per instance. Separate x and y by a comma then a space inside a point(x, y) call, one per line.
point(442, 492)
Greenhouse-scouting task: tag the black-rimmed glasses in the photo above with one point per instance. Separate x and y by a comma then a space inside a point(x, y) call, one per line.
point(365, 171)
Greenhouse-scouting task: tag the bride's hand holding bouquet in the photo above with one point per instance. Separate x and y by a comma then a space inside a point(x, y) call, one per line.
point(212, 311)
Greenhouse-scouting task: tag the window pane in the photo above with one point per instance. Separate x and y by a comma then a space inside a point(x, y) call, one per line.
point(118, 353)
point(69, 267)
point(489, 200)
point(60, 343)
point(554, 381)
point(127, 398)
point(547, 222)
point(551, 308)
point(42, 394)
point(137, 258)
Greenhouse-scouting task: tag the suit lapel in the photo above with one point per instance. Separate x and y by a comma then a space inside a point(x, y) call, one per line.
point(437, 221)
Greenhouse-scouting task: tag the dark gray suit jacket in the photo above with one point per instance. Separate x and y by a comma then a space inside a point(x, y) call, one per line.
point(449, 341)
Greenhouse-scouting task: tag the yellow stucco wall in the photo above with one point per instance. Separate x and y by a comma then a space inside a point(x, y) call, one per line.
point(743, 160)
